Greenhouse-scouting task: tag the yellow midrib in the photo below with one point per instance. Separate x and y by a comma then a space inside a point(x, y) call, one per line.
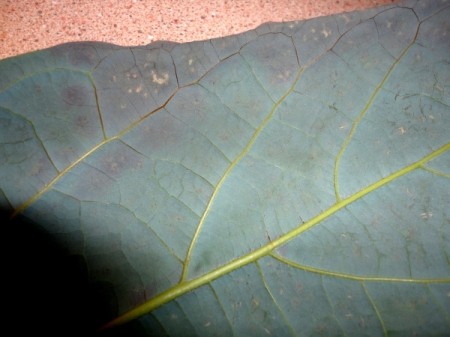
point(186, 286)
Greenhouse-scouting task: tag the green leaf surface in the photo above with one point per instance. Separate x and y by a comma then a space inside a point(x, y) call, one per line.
point(293, 180)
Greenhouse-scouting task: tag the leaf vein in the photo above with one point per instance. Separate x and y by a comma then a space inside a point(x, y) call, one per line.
point(228, 171)
point(375, 308)
point(326, 272)
point(363, 112)
point(185, 286)
point(267, 287)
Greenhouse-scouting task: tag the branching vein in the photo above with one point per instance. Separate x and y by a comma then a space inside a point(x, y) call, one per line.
point(353, 277)
point(184, 287)
point(226, 174)
point(361, 115)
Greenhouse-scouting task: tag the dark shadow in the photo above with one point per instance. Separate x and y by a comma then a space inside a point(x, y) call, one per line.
point(47, 291)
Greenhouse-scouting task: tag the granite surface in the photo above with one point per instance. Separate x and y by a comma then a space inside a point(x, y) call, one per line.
point(31, 25)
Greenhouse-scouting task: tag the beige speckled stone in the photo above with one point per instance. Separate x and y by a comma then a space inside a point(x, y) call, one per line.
point(30, 25)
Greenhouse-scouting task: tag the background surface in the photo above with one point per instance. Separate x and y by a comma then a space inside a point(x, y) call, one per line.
point(31, 25)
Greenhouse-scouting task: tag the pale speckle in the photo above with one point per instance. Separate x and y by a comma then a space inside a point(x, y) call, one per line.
point(285, 75)
point(164, 79)
point(426, 215)
point(401, 130)
point(190, 61)
point(132, 75)
point(346, 18)
point(326, 32)
point(255, 303)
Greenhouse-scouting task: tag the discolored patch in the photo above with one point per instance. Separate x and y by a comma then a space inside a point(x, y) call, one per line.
point(83, 54)
point(77, 53)
point(117, 159)
point(75, 95)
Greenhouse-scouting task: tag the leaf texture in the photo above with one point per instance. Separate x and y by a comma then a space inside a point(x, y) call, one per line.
point(293, 180)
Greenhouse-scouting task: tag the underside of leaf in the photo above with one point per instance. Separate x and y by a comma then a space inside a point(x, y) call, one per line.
point(293, 180)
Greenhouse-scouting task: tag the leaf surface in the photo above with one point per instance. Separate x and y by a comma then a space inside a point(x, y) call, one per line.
point(293, 180)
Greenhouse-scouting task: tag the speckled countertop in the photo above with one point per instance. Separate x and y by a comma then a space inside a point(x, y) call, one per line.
point(30, 25)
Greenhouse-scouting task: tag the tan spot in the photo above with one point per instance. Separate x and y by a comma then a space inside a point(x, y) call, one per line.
point(326, 32)
point(164, 79)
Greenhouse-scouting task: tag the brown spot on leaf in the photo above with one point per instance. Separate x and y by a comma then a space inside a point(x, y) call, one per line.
point(74, 95)
point(82, 54)
point(115, 164)
point(37, 89)
point(82, 121)
point(78, 53)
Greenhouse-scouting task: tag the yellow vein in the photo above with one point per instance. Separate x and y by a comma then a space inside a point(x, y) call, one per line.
point(61, 174)
point(436, 172)
point(360, 117)
point(274, 300)
point(325, 272)
point(186, 286)
point(52, 182)
point(375, 308)
point(228, 171)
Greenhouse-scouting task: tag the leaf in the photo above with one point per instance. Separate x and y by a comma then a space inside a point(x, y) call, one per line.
point(293, 180)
